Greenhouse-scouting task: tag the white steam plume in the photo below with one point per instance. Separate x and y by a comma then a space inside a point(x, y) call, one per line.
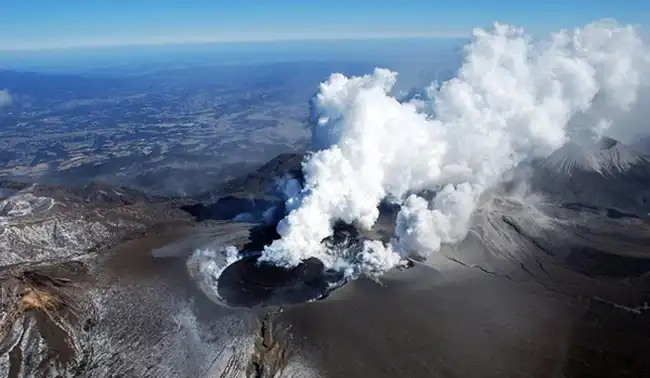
point(512, 99)
point(5, 98)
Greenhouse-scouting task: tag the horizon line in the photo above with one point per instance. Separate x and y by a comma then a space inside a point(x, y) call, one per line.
point(226, 41)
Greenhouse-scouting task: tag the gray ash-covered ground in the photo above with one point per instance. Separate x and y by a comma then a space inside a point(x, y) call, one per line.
point(547, 284)
point(123, 305)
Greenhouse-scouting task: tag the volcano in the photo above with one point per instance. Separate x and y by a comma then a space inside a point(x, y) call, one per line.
point(576, 242)
point(574, 195)
point(607, 157)
point(608, 174)
point(567, 241)
point(447, 233)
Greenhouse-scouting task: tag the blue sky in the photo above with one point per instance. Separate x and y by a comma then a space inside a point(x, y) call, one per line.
point(37, 24)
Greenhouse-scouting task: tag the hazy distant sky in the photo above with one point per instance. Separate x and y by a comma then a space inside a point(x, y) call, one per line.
point(36, 24)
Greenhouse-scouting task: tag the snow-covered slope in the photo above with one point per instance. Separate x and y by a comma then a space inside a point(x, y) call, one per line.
point(48, 222)
point(22, 205)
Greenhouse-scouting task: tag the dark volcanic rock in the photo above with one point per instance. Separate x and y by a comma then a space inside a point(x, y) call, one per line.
point(247, 283)
point(263, 180)
point(230, 207)
point(253, 197)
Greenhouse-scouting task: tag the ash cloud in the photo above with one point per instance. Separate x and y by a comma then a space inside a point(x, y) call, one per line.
point(512, 99)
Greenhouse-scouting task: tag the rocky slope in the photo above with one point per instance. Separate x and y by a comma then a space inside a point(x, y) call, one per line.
point(94, 282)
point(572, 249)
point(54, 223)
